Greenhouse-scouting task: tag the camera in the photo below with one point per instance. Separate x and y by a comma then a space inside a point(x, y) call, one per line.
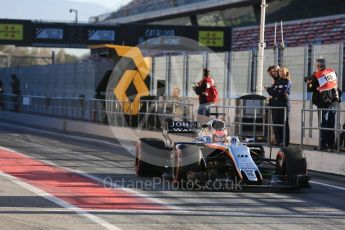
point(309, 78)
point(195, 84)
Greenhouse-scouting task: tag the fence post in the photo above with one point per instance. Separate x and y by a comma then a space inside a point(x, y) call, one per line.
point(338, 126)
point(254, 123)
point(311, 104)
point(340, 71)
point(305, 92)
point(168, 75)
point(269, 128)
point(152, 73)
point(302, 126)
point(92, 117)
point(225, 72)
point(319, 126)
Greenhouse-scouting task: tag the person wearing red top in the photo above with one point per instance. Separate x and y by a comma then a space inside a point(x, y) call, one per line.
point(204, 88)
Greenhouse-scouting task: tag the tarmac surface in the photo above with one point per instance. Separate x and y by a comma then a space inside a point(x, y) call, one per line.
point(61, 181)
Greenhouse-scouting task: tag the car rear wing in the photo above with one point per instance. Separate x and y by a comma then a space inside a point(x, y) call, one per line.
point(178, 127)
point(181, 127)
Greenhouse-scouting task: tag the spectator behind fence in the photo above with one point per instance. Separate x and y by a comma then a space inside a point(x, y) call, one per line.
point(280, 93)
point(16, 92)
point(207, 91)
point(1, 95)
point(326, 95)
point(273, 73)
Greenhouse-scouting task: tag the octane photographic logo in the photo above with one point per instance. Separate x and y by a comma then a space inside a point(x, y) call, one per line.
point(163, 184)
point(140, 96)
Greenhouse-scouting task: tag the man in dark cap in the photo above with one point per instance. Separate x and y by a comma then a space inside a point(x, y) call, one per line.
point(323, 84)
point(273, 72)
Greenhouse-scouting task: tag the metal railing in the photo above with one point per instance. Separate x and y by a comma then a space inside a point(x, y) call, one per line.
point(74, 108)
point(252, 121)
point(318, 127)
point(244, 120)
point(150, 114)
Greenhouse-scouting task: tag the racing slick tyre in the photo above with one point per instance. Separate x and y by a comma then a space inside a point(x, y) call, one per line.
point(292, 164)
point(187, 158)
point(291, 161)
point(151, 157)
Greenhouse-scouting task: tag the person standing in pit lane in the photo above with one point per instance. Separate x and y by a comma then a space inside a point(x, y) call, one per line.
point(280, 97)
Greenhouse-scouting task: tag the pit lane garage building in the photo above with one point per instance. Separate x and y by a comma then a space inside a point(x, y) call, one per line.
point(312, 29)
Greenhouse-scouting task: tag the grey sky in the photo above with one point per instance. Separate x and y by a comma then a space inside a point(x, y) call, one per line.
point(53, 10)
point(57, 10)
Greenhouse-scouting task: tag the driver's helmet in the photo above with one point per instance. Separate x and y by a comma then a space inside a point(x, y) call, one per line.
point(218, 131)
point(219, 136)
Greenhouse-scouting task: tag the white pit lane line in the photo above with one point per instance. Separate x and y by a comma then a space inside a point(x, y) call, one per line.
point(60, 202)
point(328, 185)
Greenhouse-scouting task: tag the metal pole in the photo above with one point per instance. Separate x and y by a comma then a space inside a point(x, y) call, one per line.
point(338, 126)
point(168, 76)
point(302, 125)
point(284, 128)
point(53, 57)
point(275, 46)
point(152, 74)
point(304, 97)
point(184, 84)
point(261, 49)
point(76, 14)
point(9, 61)
point(226, 79)
point(229, 74)
point(305, 73)
point(319, 126)
point(340, 70)
point(311, 114)
point(254, 126)
point(282, 45)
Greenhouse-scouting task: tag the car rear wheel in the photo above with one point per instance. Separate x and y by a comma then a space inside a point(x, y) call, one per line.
point(151, 157)
point(186, 159)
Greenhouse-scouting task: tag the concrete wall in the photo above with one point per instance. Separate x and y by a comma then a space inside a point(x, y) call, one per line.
point(59, 80)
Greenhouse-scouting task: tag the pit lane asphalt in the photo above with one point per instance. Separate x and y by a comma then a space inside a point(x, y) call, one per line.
point(320, 207)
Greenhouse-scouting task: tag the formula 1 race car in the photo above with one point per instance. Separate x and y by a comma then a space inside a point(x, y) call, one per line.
point(213, 155)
